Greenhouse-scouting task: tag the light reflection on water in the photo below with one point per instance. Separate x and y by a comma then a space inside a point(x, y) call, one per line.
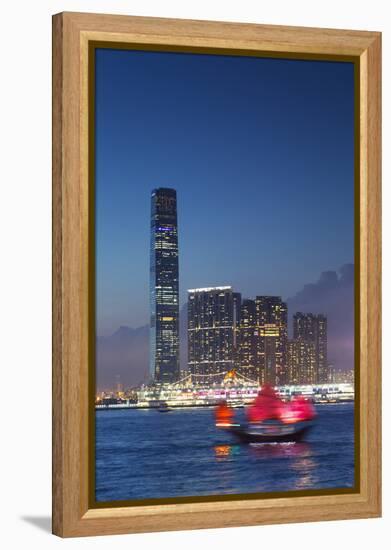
point(304, 463)
point(144, 454)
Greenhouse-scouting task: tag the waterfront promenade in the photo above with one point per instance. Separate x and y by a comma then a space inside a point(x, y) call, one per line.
point(198, 396)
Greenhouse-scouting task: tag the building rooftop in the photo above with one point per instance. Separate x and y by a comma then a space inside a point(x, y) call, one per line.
point(210, 289)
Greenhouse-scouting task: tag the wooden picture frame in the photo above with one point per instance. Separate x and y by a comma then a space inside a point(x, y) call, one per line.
point(72, 282)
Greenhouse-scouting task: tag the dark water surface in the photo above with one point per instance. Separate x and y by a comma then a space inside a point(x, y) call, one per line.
point(144, 454)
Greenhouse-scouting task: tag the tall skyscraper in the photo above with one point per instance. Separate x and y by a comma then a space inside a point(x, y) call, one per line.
point(164, 287)
point(272, 330)
point(313, 328)
point(211, 331)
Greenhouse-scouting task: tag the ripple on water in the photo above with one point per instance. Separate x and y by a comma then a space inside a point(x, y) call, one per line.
point(142, 454)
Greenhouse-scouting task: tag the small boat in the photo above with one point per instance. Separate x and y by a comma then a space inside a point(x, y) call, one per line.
point(164, 408)
point(269, 433)
point(236, 404)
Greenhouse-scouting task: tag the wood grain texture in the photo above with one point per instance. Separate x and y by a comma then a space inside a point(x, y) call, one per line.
point(57, 369)
point(371, 368)
point(71, 35)
point(218, 34)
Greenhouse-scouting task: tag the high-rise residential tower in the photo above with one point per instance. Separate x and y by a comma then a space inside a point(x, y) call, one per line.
point(301, 360)
point(211, 331)
point(313, 328)
point(164, 287)
point(247, 359)
point(272, 329)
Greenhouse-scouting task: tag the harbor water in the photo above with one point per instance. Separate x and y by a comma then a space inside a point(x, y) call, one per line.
point(145, 454)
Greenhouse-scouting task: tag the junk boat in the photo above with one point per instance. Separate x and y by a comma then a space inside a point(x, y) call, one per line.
point(269, 419)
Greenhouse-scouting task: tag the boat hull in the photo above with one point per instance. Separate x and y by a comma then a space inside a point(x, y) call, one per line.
point(289, 434)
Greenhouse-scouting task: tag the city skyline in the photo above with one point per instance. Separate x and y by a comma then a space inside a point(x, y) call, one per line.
point(126, 351)
point(223, 334)
point(226, 333)
point(257, 343)
point(284, 207)
point(250, 336)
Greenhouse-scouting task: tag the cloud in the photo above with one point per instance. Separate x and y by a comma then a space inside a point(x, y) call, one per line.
point(332, 295)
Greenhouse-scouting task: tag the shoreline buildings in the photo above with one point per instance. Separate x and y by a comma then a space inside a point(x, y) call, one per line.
point(164, 287)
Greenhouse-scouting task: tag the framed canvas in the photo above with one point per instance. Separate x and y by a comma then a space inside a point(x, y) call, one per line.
point(216, 258)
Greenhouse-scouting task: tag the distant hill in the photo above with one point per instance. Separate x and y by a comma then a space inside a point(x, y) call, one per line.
point(123, 354)
point(126, 354)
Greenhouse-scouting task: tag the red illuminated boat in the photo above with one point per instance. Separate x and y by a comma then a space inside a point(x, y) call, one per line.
point(269, 419)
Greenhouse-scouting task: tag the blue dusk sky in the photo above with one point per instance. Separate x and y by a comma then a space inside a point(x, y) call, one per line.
point(261, 153)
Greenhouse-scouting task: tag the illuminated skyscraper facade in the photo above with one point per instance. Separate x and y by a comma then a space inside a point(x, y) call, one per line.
point(247, 341)
point(164, 287)
point(301, 360)
point(211, 331)
point(262, 341)
point(313, 328)
point(272, 330)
